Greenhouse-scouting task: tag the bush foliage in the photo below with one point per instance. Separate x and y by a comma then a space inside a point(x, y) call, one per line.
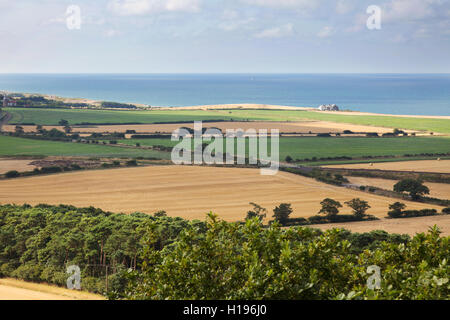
point(235, 261)
point(170, 258)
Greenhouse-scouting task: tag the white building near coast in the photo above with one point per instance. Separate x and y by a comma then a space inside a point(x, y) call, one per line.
point(329, 107)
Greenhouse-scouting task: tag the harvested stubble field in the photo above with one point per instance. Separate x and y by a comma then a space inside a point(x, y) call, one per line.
point(437, 190)
point(12, 289)
point(188, 192)
point(442, 166)
point(409, 226)
point(283, 127)
point(14, 164)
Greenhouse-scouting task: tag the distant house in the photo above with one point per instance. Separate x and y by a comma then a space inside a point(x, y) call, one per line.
point(7, 102)
point(329, 107)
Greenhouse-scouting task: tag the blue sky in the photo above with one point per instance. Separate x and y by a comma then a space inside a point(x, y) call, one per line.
point(214, 36)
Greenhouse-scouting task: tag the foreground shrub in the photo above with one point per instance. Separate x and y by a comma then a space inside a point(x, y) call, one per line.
point(232, 261)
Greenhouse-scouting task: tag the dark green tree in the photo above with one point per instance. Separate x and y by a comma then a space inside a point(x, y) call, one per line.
point(330, 207)
point(160, 213)
point(257, 212)
point(282, 213)
point(359, 206)
point(63, 123)
point(396, 209)
point(415, 188)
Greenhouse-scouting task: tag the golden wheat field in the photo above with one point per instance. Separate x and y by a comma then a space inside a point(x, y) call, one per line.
point(19, 165)
point(409, 226)
point(442, 166)
point(437, 190)
point(283, 127)
point(184, 191)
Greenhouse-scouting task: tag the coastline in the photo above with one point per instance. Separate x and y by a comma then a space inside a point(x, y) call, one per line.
point(234, 106)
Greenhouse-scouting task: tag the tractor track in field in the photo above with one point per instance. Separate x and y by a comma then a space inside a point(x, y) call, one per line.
point(5, 118)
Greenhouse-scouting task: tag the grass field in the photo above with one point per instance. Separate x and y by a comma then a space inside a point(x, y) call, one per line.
point(306, 148)
point(301, 148)
point(12, 146)
point(420, 124)
point(297, 148)
point(187, 192)
point(53, 116)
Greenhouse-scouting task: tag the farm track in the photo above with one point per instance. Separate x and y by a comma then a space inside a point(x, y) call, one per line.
point(6, 117)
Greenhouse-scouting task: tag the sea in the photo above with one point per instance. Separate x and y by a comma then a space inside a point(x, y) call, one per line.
point(411, 94)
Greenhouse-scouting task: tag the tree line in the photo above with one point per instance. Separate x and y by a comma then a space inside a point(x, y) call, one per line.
point(158, 257)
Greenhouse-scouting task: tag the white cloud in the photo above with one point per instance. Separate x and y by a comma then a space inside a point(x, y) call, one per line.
point(232, 25)
point(326, 32)
point(278, 32)
point(410, 10)
point(343, 6)
point(141, 7)
point(302, 4)
point(232, 20)
point(112, 33)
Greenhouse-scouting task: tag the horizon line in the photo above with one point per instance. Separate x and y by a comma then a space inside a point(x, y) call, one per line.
point(225, 73)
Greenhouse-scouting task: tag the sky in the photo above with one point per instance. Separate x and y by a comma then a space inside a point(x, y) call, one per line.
point(224, 36)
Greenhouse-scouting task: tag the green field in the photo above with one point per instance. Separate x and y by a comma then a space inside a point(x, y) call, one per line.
point(297, 148)
point(12, 146)
point(306, 148)
point(302, 148)
point(419, 124)
point(53, 116)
